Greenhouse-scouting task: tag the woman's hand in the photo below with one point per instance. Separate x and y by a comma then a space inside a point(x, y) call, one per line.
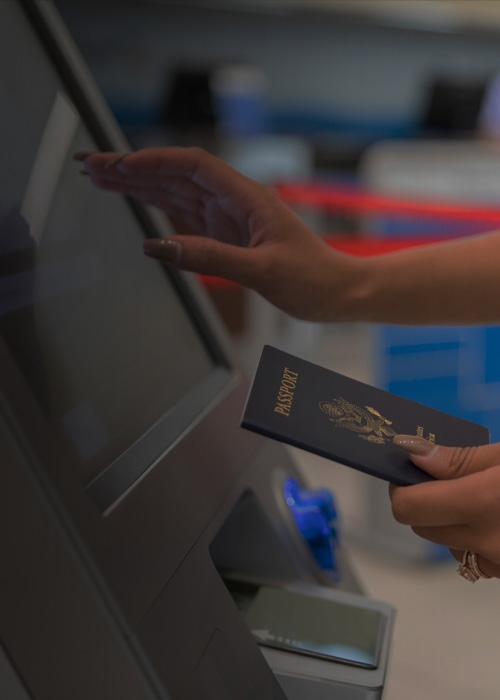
point(230, 226)
point(460, 510)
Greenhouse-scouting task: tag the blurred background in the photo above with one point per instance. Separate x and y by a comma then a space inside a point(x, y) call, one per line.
point(378, 121)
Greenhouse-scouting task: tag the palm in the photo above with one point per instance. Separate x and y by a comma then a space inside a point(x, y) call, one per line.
point(201, 194)
point(219, 212)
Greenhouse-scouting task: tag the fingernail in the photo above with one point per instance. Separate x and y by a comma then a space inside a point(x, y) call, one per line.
point(162, 248)
point(415, 445)
point(115, 160)
point(81, 155)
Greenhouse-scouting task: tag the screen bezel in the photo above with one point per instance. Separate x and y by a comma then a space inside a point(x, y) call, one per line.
point(111, 485)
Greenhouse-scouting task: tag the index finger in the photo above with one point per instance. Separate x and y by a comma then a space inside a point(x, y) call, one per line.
point(170, 170)
point(199, 166)
point(447, 502)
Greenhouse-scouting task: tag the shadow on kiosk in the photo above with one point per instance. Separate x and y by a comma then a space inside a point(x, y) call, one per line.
point(150, 547)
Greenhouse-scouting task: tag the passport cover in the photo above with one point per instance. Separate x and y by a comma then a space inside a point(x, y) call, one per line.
point(316, 409)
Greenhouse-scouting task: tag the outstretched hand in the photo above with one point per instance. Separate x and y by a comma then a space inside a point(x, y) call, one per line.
point(460, 510)
point(229, 226)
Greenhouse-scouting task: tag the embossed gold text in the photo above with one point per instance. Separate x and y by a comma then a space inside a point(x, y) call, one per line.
point(286, 392)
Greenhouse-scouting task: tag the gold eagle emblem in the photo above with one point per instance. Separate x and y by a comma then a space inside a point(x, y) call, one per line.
point(367, 422)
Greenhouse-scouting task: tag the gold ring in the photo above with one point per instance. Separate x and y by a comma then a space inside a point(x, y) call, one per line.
point(469, 568)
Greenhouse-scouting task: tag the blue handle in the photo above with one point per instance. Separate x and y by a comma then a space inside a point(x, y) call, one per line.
point(316, 517)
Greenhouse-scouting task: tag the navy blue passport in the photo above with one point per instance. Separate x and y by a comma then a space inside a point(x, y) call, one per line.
point(302, 404)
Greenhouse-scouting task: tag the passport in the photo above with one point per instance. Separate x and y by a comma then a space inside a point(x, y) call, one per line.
point(314, 408)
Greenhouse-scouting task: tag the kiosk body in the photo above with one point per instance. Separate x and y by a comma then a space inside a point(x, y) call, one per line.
point(128, 485)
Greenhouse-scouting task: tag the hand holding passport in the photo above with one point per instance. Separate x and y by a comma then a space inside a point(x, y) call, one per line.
point(316, 409)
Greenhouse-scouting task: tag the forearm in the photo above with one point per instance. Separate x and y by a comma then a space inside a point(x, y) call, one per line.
point(456, 282)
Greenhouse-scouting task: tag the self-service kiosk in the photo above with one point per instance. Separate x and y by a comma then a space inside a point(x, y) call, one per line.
point(150, 548)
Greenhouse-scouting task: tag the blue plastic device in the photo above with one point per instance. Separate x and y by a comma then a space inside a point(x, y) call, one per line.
point(316, 517)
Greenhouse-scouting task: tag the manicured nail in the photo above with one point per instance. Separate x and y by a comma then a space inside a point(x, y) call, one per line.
point(115, 160)
point(81, 155)
point(163, 249)
point(416, 445)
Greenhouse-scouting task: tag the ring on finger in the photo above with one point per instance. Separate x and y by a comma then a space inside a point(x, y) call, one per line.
point(469, 568)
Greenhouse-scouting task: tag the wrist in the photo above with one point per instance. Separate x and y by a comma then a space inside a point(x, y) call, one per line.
point(346, 288)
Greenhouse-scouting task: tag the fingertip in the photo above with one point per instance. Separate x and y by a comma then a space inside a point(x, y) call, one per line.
point(416, 445)
point(82, 155)
point(163, 249)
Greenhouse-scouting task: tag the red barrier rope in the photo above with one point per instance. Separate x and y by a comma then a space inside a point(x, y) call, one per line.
point(341, 198)
point(366, 247)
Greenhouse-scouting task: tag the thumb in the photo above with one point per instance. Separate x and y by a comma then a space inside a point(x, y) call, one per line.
point(449, 462)
point(205, 256)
